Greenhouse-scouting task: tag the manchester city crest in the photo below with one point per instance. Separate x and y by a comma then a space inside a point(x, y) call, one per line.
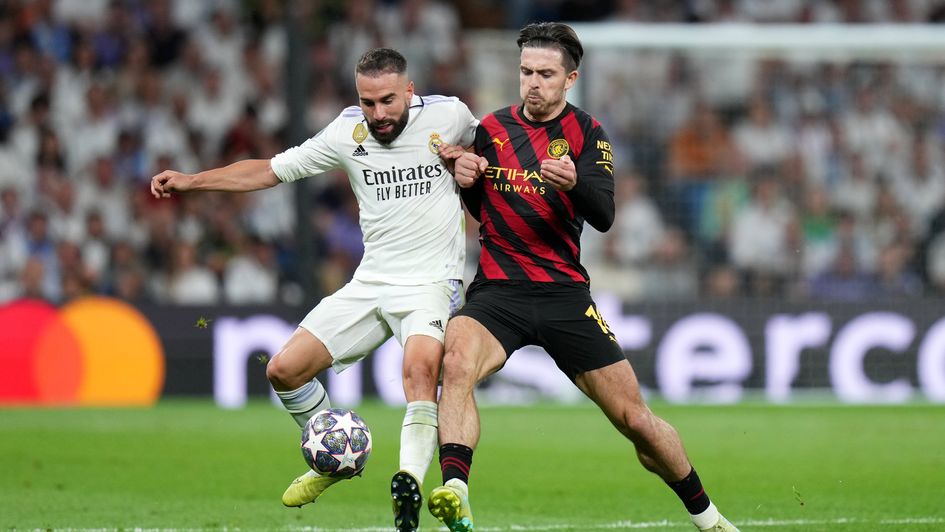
point(558, 148)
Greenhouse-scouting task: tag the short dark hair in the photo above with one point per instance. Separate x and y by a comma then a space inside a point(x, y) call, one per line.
point(379, 61)
point(553, 35)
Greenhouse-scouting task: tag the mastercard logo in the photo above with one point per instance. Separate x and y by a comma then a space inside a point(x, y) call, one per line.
point(93, 351)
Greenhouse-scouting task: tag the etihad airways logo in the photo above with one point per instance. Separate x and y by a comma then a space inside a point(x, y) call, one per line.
point(515, 180)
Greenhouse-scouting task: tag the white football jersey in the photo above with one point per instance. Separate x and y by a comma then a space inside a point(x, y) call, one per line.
point(410, 211)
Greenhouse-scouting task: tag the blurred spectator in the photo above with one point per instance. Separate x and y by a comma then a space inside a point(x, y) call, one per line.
point(95, 250)
point(25, 137)
point(872, 132)
point(763, 238)
point(818, 233)
point(722, 282)
point(212, 111)
point(700, 152)
point(37, 254)
point(100, 190)
point(761, 139)
point(723, 199)
point(919, 186)
point(162, 33)
point(32, 282)
point(895, 276)
point(638, 228)
point(96, 134)
point(844, 281)
point(857, 239)
point(12, 238)
point(671, 275)
point(857, 190)
point(411, 25)
point(48, 35)
point(250, 275)
point(815, 142)
point(189, 282)
point(350, 37)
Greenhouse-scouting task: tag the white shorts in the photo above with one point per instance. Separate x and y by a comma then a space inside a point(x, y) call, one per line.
point(358, 318)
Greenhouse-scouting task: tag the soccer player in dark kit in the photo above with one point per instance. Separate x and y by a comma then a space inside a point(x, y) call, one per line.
point(539, 171)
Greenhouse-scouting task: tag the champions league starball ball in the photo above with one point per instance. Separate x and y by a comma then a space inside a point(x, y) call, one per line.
point(336, 442)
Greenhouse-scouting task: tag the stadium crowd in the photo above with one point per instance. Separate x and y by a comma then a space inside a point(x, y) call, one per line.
point(798, 180)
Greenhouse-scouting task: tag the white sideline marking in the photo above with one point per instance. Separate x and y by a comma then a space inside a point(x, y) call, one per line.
point(616, 525)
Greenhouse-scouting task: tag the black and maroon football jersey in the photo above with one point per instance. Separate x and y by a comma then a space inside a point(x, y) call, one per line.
point(529, 230)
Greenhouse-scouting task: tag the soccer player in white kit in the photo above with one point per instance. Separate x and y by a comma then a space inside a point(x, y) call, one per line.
point(409, 281)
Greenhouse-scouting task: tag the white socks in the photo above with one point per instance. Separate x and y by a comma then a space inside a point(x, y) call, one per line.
point(418, 438)
point(459, 486)
point(707, 519)
point(303, 402)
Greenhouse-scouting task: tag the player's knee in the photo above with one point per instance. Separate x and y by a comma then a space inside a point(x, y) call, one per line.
point(274, 371)
point(421, 377)
point(635, 422)
point(458, 368)
point(280, 376)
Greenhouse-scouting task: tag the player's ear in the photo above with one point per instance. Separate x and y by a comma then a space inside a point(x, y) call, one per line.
point(569, 81)
point(409, 92)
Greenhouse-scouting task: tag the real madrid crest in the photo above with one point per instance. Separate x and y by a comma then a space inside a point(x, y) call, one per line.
point(558, 148)
point(360, 133)
point(434, 143)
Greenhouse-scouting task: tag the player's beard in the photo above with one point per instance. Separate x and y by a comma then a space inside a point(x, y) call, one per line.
point(539, 109)
point(387, 138)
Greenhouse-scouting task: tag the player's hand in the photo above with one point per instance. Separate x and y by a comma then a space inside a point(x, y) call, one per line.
point(170, 181)
point(469, 167)
point(449, 153)
point(560, 173)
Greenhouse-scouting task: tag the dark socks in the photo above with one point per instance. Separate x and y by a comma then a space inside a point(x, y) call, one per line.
point(455, 461)
point(690, 492)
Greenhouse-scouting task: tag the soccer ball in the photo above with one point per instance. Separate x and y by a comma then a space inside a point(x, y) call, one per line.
point(336, 442)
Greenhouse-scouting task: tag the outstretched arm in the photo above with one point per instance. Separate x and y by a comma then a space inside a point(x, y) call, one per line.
point(242, 176)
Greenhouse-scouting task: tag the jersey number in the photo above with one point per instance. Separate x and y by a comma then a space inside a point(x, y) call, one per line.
point(592, 313)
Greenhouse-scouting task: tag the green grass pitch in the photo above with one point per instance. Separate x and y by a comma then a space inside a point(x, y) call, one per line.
point(187, 465)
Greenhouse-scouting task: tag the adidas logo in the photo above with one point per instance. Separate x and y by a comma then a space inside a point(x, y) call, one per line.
point(438, 324)
point(359, 151)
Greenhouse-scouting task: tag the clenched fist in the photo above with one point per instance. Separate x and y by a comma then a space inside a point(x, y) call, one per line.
point(170, 181)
